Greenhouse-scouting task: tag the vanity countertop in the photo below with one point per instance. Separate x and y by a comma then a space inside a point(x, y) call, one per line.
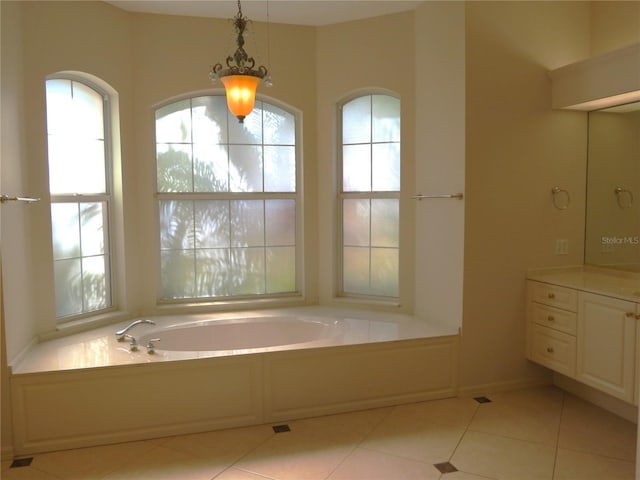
point(623, 285)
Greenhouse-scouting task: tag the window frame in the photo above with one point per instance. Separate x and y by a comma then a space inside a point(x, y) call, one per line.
point(371, 195)
point(106, 198)
point(298, 197)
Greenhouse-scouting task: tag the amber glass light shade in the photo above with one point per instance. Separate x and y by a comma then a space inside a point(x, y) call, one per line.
point(241, 94)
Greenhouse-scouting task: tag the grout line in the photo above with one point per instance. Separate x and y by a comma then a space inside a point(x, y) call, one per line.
point(364, 437)
point(555, 457)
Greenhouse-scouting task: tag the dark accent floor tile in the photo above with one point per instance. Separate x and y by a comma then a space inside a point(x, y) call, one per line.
point(445, 467)
point(21, 462)
point(281, 428)
point(482, 399)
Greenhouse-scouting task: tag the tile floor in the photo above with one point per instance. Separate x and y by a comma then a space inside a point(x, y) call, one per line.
point(540, 433)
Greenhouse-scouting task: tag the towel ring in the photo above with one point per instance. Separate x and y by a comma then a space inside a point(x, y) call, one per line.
point(621, 193)
point(558, 192)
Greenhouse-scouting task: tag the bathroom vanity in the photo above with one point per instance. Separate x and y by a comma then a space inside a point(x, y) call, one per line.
point(582, 322)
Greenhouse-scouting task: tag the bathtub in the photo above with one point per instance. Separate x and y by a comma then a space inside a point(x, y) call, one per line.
point(245, 334)
point(210, 372)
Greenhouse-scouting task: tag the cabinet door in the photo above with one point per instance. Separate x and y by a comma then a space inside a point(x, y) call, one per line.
point(606, 344)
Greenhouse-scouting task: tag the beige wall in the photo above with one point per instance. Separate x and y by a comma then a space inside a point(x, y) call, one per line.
point(12, 182)
point(613, 25)
point(354, 56)
point(517, 150)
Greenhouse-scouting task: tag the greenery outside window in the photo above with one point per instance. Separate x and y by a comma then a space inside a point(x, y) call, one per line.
point(79, 184)
point(228, 201)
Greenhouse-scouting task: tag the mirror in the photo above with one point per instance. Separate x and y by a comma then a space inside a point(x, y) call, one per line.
point(612, 234)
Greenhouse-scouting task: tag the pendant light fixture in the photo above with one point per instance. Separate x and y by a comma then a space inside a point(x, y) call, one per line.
point(239, 77)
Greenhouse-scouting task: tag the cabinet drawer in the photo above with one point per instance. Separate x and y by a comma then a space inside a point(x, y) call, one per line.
point(555, 296)
point(553, 349)
point(554, 318)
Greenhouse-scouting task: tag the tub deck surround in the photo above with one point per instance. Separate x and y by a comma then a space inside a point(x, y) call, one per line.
point(88, 389)
point(602, 281)
point(99, 347)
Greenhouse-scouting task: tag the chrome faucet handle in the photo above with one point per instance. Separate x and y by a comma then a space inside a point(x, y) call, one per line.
point(133, 346)
point(151, 348)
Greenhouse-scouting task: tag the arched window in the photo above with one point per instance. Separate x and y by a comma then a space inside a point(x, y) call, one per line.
point(369, 196)
point(79, 184)
point(228, 201)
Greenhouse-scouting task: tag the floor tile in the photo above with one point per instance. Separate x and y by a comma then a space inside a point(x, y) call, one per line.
point(165, 464)
point(365, 464)
point(572, 465)
point(313, 448)
point(531, 414)
point(93, 462)
point(223, 446)
point(427, 442)
point(27, 473)
point(505, 458)
point(584, 427)
point(236, 474)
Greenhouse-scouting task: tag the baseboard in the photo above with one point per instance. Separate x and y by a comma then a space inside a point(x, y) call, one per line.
point(611, 404)
point(487, 388)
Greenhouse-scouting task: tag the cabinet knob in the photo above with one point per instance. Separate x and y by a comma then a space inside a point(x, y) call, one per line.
point(637, 316)
point(551, 295)
point(630, 314)
point(549, 349)
point(550, 318)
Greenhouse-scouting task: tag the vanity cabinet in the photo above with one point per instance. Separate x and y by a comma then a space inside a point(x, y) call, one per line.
point(585, 336)
point(606, 340)
point(551, 339)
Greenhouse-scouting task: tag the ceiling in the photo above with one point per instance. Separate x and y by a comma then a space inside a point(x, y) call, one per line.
point(297, 12)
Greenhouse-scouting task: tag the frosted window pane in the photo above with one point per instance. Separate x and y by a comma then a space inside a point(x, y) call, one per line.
point(384, 272)
point(173, 123)
point(212, 223)
point(279, 126)
point(65, 230)
point(245, 168)
point(68, 281)
point(177, 274)
point(356, 222)
point(87, 113)
point(176, 225)
point(94, 283)
point(76, 166)
point(356, 121)
point(249, 132)
point(209, 119)
point(59, 104)
point(279, 169)
point(174, 168)
point(247, 271)
point(212, 272)
point(384, 222)
point(386, 167)
point(356, 168)
point(356, 270)
point(247, 223)
point(92, 219)
point(280, 222)
point(386, 118)
point(211, 164)
point(281, 269)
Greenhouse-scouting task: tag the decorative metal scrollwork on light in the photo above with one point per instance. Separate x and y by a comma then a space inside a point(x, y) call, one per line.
point(240, 77)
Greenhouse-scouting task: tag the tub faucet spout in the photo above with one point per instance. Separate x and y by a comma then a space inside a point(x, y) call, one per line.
point(120, 334)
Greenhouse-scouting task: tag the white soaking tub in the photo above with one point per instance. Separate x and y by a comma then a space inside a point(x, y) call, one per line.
point(218, 371)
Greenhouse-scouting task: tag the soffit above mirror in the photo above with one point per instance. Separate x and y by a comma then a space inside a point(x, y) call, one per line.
point(599, 82)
